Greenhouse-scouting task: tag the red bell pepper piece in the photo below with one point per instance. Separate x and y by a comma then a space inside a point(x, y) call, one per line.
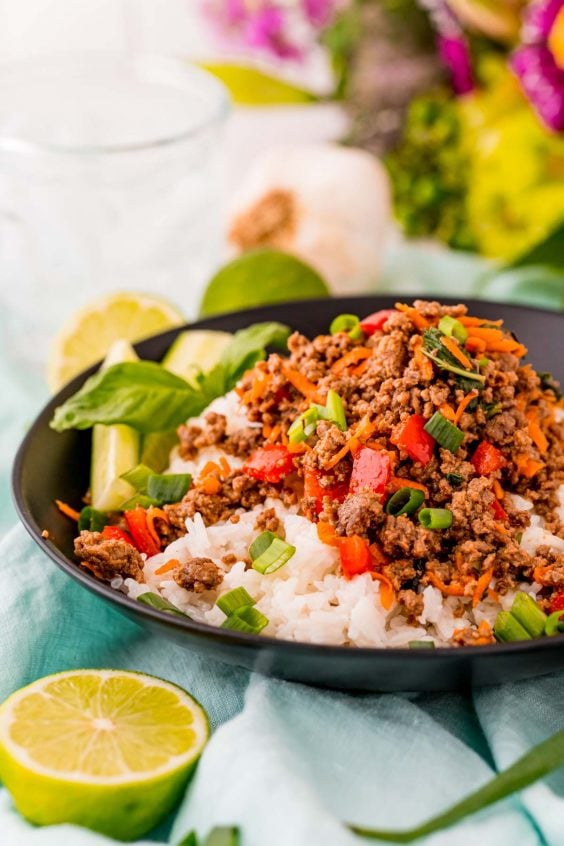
point(372, 469)
point(413, 438)
point(270, 463)
point(487, 459)
point(355, 556)
point(557, 602)
point(115, 533)
point(143, 540)
point(375, 322)
point(499, 511)
point(313, 488)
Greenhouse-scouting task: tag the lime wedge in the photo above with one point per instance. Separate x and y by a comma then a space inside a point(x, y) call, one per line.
point(89, 333)
point(196, 349)
point(261, 277)
point(107, 749)
point(115, 449)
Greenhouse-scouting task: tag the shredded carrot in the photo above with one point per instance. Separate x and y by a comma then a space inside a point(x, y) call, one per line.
point(493, 595)
point(208, 468)
point(498, 490)
point(398, 482)
point(447, 411)
point(478, 321)
point(327, 534)
point(338, 456)
point(240, 391)
point(259, 385)
point(535, 432)
point(450, 590)
point(378, 555)
point(417, 319)
point(540, 574)
point(481, 586)
point(475, 345)
point(500, 528)
point(359, 370)
point(211, 485)
point(67, 510)
point(355, 445)
point(364, 428)
point(166, 568)
point(266, 430)
point(421, 361)
point(527, 467)
point(299, 449)
point(496, 341)
point(302, 384)
point(153, 512)
point(463, 404)
point(352, 357)
point(275, 433)
point(225, 467)
point(455, 350)
point(387, 592)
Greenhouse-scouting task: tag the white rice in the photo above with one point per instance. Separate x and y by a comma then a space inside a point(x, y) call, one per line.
point(305, 600)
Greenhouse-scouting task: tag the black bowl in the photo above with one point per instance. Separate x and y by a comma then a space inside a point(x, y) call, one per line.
point(61, 463)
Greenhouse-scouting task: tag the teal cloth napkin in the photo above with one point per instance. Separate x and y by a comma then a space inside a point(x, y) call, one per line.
point(287, 763)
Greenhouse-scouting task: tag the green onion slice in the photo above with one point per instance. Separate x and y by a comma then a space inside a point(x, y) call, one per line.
point(554, 624)
point(483, 361)
point(349, 323)
point(91, 520)
point(154, 600)
point(405, 501)
point(138, 499)
point(296, 433)
point(507, 628)
point(233, 600)
point(453, 328)
point(444, 432)
point(435, 518)
point(247, 619)
point(336, 411)
point(527, 612)
point(138, 477)
point(169, 487)
point(271, 556)
point(421, 644)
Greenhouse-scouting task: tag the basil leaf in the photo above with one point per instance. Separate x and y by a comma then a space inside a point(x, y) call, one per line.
point(160, 603)
point(145, 396)
point(536, 763)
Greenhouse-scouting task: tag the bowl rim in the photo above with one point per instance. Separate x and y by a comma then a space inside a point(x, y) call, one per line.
point(245, 641)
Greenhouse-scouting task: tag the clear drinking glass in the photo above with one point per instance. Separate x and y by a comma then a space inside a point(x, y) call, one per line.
point(110, 178)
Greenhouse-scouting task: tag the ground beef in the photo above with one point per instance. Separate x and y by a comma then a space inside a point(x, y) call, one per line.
point(108, 558)
point(198, 575)
point(267, 521)
point(552, 566)
point(359, 514)
point(193, 438)
point(400, 537)
point(243, 442)
point(413, 604)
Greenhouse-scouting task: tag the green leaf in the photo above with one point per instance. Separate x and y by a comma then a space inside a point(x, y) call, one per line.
point(251, 87)
point(149, 398)
point(549, 252)
point(223, 836)
point(533, 285)
point(261, 277)
point(160, 603)
point(191, 839)
point(537, 763)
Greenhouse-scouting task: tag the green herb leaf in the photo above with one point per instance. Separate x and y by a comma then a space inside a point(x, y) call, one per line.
point(455, 479)
point(148, 398)
point(434, 349)
point(154, 600)
point(91, 520)
point(535, 764)
point(170, 487)
point(548, 383)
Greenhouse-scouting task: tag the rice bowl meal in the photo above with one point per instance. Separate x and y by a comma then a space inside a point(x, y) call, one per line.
point(396, 482)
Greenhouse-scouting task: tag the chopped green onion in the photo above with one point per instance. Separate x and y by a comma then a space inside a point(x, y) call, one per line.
point(138, 499)
point(421, 644)
point(435, 518)
point(453, 328)
point(274, 557)
point(554, 624)
point(491, 409)
point(310, 420)
point(233, 600)
point(444, 432)
point(261, 544)
point(455, 479)
point(467, 374)
point(507, 628)
point(246, 619)
point(170, 487)
point(483, 361)
point(154, 600)
point(296, 432)
point(349, 323)
point(336, 412)
point(138, 477)
point(405, 501)
point(548, 383)
point(91, 520)
point(527, 612)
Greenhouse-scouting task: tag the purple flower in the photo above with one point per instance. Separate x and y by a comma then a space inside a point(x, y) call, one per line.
point(265, 30)
point(536, 67)
point(454, 52)
point(319, 12)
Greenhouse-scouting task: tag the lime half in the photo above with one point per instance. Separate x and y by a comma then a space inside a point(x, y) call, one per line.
point(107, 749)
point(88, 335)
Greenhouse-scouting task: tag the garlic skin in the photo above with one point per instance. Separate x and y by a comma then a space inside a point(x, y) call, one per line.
point(329, 205)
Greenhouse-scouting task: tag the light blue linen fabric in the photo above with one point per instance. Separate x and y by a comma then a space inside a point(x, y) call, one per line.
point(286, 763)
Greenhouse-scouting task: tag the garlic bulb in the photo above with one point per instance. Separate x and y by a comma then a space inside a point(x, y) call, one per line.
point(326, 204)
